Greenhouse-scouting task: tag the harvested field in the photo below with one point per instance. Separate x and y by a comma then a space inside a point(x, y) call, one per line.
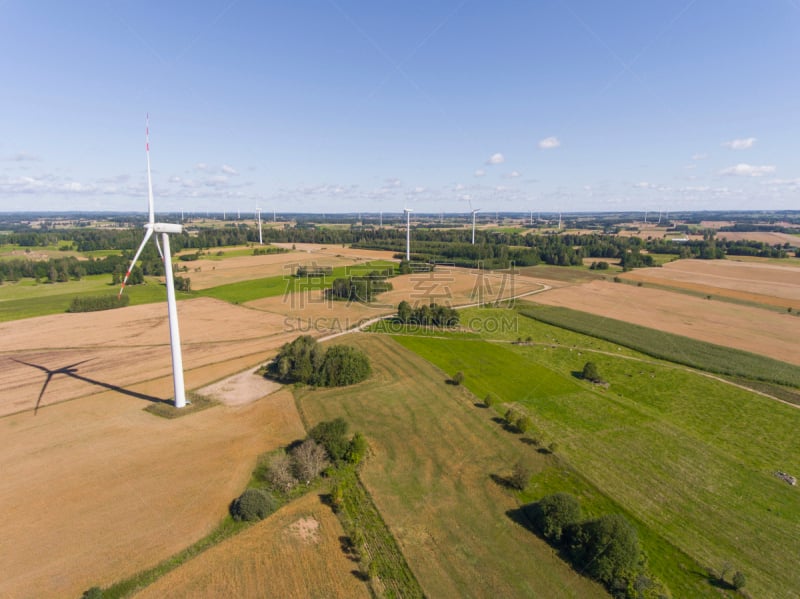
point(64, 356)
point(768, 237)
point(97, 489)
point(295, 553)
point(758, 282)
point(751, 329)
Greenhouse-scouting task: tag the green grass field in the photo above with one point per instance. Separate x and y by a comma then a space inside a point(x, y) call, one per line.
point(675, 348)
point(27, 299)
point(429, 471)
point(690, 458)
point(246, 291)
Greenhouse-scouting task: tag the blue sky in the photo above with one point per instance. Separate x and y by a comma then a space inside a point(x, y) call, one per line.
point(338, 105)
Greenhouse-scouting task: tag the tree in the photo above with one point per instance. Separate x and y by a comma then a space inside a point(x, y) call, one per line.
point(331, 434)
point(279, 473)
point(590, 373)
point(490, 400)
point(739, 580)
point(342, 365)
point(358, 449)
point(309, 459)
point(458, 378)
point(93, 593)
point(552, 514)
point(523, 423)
point(606, 548)
point(303, 361)
point(253, 504)
point(404, 311)
point(520, 475)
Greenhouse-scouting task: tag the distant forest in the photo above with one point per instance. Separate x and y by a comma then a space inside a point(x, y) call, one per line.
point(493, 248)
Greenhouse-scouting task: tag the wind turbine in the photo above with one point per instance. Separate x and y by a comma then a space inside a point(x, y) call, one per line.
point(408, 233)
point(258, 213)
point(172, 309)
point(474, 211)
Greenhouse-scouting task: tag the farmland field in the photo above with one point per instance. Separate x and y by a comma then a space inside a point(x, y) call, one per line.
point(696, 466)
point(747, 328)
point(757, 282)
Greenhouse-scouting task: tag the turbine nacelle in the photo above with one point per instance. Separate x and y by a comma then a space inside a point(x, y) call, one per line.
point(165, 228)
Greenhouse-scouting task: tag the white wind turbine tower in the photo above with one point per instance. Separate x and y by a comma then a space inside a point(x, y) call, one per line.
point(474, 211)
point(260, 239)
point(408, 233)
point(172, 310)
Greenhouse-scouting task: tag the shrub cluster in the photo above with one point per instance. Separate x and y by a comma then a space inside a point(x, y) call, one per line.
point(94, 303)
point(304, 462)
point(605, 548)
point(304, 361)
point(359, 288)
point(433, 314)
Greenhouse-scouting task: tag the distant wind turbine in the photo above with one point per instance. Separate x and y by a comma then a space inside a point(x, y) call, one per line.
point(408, 233)
point(474, 212)
point(258, 214)
point(172, 309)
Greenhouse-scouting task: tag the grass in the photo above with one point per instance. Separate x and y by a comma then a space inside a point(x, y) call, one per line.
point(385, 564)
point(28, 299)
point(194, 403)
point(667, 346)
point(246, 291)
point(689, 458)
point(430, 472)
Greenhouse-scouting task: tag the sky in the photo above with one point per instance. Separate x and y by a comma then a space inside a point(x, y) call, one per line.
point(436, 105)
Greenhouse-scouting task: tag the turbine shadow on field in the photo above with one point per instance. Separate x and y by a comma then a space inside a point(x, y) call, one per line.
point(72, 371)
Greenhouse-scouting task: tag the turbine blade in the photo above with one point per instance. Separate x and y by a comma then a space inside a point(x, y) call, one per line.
point(150, 211)
point(147, 234)
point(158, 245)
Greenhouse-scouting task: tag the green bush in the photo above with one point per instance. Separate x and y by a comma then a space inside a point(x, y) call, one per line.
point(93, 593)
point(552, 514)
point(342, 365)
point(523, 423)
point(491, 399)
point(606, 548)
point(331, 434)
point(458, 378)
point(590, 373)
point(739, 580)
point(253, 504)
point(357, 449)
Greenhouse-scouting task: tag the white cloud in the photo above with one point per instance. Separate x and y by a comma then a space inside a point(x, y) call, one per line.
point(740, 144)
point(514, 174)
point(548, 143)
point(644, 185)
point(748, 170)
point(480, 172)
point(201, 166)
point(699, 156)
point(496, 159)
point(229, 170)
